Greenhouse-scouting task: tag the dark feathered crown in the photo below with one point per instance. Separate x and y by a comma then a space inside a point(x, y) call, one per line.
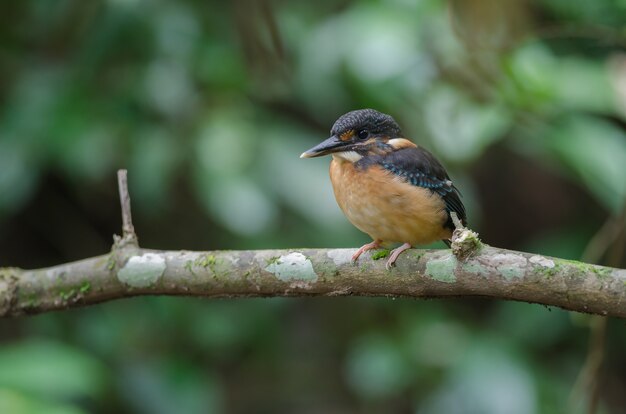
point(375, 122)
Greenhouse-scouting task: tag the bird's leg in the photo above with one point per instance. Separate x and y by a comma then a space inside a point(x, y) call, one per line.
point(395, 253)
point(369, 246)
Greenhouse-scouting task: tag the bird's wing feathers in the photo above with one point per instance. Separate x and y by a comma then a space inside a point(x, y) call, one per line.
point(420, 168)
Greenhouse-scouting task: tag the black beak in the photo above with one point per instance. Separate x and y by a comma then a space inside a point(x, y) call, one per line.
point(331, 145)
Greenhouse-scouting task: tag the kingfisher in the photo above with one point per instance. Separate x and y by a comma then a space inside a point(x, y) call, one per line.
point(387, 186)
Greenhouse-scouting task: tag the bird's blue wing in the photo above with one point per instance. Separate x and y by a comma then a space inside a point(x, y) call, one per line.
point(420, 168)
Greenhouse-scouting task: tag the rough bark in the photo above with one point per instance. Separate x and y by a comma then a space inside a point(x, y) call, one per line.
point(489, 272)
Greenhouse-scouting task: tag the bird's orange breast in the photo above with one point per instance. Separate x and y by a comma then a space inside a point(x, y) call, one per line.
point(386, 207)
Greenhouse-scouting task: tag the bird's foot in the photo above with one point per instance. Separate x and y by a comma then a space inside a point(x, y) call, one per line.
point(394, 255)
point(369, 246)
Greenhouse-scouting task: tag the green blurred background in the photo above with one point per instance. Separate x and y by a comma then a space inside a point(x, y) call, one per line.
point(208, 104)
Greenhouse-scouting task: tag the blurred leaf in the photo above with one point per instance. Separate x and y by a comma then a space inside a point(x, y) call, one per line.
point(224, 328)
point(531, 325)
point(592, 12)
point(240, 205)
point(489, 380)
point(18, 178)
point(14, 402)
point(168, 88)
point(153, 163)
point(177, 30)
point(540, 80)
point(437, 343)
point(530, 83)
point(376, 368)
point(595, 150)
point(33, 98)
point(585, 84)
point(172, 386)
point(50, 369)
point(91, 155)
point(220, 67)
point(226, 142)
point(225, 151)
point(393, 45)
point(390, 50)
point(566, 243)
point(462, 129)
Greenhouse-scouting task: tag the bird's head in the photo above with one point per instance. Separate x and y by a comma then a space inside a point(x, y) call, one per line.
point(357, 134)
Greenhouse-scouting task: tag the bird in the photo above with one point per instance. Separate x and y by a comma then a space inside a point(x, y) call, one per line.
point(387, 186)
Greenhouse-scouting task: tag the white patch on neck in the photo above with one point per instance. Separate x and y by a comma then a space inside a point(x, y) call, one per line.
point(350, 156)
point(398, 143)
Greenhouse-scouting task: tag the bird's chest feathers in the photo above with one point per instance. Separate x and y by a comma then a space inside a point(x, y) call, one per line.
point(359, 194)
point(384, 206)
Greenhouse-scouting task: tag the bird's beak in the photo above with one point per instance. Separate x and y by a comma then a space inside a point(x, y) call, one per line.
point(328, 146)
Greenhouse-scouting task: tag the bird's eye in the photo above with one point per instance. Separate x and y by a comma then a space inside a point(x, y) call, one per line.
point(363, 134)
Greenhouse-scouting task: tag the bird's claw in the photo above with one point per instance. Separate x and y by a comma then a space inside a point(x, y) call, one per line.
point(369, 246)
point(395, 253)
point(390, 264)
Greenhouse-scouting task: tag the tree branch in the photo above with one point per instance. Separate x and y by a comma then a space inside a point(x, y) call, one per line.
point(491, 272)
point(469, 269)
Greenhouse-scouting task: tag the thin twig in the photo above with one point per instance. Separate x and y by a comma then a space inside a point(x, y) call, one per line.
point(128, 230)
point(465, 242)
point(456, 221)
point(604, 238)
